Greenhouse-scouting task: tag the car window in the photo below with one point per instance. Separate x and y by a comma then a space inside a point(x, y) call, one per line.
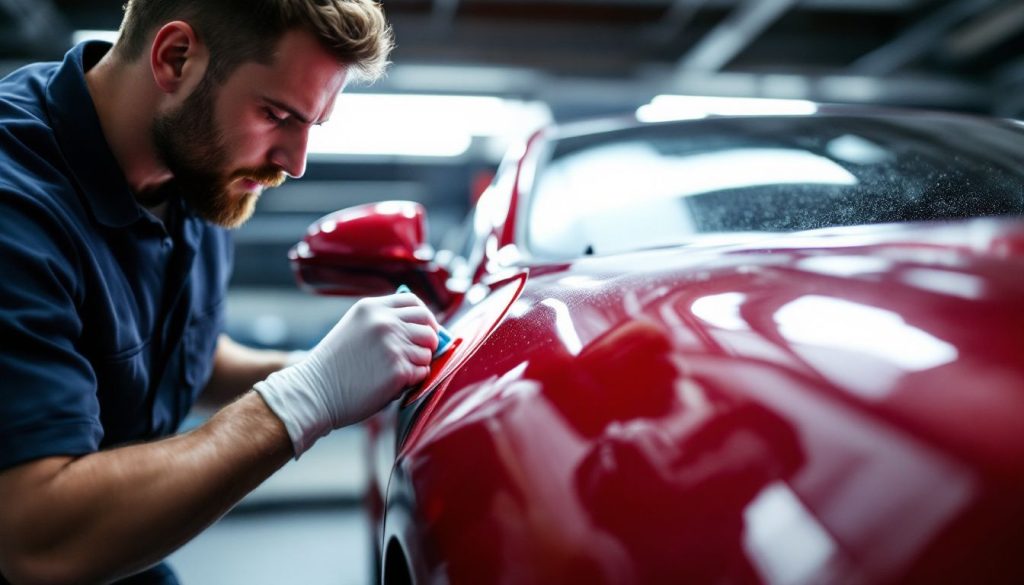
point(664, 184)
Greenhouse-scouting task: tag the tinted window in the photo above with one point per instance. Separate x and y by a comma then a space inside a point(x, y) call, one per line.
point(663, 184)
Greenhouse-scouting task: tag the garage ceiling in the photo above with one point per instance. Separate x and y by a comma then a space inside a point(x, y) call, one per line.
point(584, 55)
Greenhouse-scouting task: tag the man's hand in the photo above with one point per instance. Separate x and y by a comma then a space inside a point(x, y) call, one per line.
point(379, 347)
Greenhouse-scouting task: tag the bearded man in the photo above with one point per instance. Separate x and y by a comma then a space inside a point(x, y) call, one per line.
point(122, 168)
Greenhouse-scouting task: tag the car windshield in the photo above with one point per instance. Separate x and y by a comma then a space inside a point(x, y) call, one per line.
point(663, 184)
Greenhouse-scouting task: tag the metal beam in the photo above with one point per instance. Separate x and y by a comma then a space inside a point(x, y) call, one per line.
point(728, 39)
point(572, 47)
point(677, 16)
point(919, 39)
point(593, 94)
point(986, 31)
point(906, 90)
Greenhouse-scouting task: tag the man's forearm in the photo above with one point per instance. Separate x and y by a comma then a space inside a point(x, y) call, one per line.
point(112, 513)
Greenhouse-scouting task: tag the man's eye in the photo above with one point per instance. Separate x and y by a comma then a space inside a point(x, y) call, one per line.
point(273, 117)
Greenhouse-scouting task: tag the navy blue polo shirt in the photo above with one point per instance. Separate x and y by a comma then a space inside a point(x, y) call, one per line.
point(108, 316)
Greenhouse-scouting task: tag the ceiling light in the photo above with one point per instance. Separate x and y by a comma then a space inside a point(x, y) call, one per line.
point(422, 125)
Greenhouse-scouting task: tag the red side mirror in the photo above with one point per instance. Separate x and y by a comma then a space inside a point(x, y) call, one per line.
point(369, 250)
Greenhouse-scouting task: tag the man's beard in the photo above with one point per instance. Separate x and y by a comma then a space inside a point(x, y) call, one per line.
point(191, 145)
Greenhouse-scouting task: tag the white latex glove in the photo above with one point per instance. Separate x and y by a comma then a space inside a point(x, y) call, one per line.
point(379, 347)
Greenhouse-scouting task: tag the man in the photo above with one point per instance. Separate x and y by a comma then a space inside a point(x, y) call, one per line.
point(119, 169)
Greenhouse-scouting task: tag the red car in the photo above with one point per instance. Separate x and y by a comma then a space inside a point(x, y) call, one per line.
point(775, 349)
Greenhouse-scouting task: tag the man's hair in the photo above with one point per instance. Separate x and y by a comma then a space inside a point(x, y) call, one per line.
point(243, 31)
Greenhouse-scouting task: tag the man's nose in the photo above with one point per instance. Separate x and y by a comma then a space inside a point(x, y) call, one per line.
point(290, 154)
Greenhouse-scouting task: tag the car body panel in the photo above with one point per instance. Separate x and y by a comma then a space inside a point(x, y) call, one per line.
point(691, 415)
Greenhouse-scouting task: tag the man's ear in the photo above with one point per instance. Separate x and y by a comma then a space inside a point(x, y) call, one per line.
point(177, 58)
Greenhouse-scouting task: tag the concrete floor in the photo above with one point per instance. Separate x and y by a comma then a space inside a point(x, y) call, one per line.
point(303, 525)
point(328, 547)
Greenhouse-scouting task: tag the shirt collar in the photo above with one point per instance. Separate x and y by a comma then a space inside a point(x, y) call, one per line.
point(78, 131)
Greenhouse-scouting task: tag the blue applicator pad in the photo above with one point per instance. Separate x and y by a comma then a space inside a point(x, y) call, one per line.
point(444, 339)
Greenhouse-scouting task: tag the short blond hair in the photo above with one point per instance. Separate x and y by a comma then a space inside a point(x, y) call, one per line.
point(241, 31)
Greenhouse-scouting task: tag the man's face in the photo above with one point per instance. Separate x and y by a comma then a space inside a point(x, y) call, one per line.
point(224, 144)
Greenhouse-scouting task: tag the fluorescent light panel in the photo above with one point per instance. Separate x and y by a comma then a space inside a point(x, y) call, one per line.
point(422, 125)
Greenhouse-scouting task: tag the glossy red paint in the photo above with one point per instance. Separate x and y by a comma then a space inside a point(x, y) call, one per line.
point(702, 416)
point(392, 230)
point(836, 406)
point(370, 250)
point(468, 332)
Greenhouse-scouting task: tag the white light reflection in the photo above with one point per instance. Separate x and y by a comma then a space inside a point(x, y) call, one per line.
point(508, 255)
point(844, 265)
point(302, 250)
point(394, 208)
point(684, 107)
point(519, 308)
point(783, 538)
point(580, 281)
point(476, 294)
point(486, 393)
point(947, 282)
point(857, 150)
point(565, 327)
point(722, 310)
point(881, 334)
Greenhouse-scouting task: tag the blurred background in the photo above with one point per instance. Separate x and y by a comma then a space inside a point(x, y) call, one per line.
point(472, 77)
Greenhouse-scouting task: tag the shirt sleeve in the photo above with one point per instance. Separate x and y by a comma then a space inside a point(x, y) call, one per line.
point(48, 402)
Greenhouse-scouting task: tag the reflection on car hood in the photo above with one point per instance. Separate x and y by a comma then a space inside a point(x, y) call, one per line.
point(814, 407)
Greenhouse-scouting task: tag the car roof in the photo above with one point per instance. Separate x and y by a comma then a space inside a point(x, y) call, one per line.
point(608, 124)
